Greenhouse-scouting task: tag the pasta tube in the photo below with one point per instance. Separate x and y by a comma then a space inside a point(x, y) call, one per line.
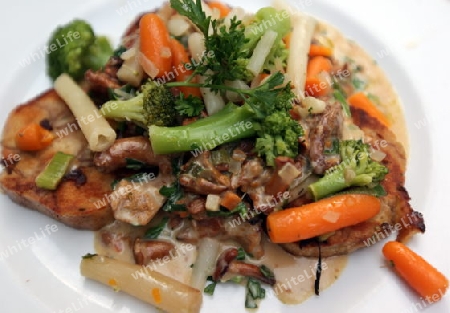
point(99, 134)
point(145, 284)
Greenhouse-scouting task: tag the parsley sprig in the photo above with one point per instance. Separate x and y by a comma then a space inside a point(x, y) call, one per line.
point(229, 61)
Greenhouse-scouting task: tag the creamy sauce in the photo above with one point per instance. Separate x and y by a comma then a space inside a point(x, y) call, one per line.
point(377, 82)
point(119, 243)
point(296, 275)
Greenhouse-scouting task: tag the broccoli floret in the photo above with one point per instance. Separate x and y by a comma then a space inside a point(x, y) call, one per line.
point(154, 105)
point(279, 136)
point(74, 48)
point(264, 114)
point(98, 54)
point(356, 169)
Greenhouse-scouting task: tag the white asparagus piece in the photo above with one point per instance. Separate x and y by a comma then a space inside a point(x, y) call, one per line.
point(147, 285)
point(302, 33)
point(261, 51)
point(99, 134)
point(213, 100)
point(208, 250)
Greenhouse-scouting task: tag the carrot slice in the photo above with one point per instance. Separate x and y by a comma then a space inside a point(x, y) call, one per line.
point(359, 100)
point(180, 58)
point(229, 200)
point(426, 280)
point(316, 50)
point(155, 44)
point(315, 87)
point(223, 8)
point(287, 40)
point(318, 64)
point(324, 216)
point(33, 138)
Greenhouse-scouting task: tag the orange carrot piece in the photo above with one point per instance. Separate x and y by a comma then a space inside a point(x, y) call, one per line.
point(33, 138)
point(180, 58)
point(315, 87)
point(287, 40)
point(223, 8)
point(156, 294)
point(426, 280)
point(359, 100)
point(317, 50)
point(318, 218)
point(229, 200)
point(155, 43)
point(317, 65)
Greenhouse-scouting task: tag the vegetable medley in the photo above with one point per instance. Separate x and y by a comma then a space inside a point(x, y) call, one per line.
point(228, 128)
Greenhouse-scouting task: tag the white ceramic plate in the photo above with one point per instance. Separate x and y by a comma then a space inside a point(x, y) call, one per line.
point(409, 39)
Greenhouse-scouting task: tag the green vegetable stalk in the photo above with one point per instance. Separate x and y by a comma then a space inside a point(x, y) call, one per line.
point(355, 169)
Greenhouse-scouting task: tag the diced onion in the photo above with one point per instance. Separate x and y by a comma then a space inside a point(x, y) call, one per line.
point(166, 52)
point(128, 54)
point(377, 155)
point(131, 70)
point(178, 26)
point(288, 173)
point(196, 45)
point(349, 174)
point(314, 105)
point(212, 203)
point(235, 167)
point(213, 100)
point(238, 84)
point(239, 155)
point(148, 66)
point(331, 216)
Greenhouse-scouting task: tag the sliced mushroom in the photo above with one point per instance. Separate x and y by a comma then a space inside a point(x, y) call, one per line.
point(146, 251)
point(201, 177)
point(137, 148)
point(249, 270)
point(237, 229)
point(223, 262)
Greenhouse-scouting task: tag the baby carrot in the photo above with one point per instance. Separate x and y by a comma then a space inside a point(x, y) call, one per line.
point(316, 50)
point(180, 58)
point(33, 138)
point(155, 43)
point(417, 272)
point(359, 100)
point(287, 40)
point(315, 87)
point(223, 8)
point(318, 64)
point(321, 217)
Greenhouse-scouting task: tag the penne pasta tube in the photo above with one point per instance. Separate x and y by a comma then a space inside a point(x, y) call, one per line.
point(99, 134)
point(145, 284)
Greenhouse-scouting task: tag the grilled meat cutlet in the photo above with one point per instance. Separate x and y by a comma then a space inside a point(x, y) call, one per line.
point(77, 203)
point(395, 208)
